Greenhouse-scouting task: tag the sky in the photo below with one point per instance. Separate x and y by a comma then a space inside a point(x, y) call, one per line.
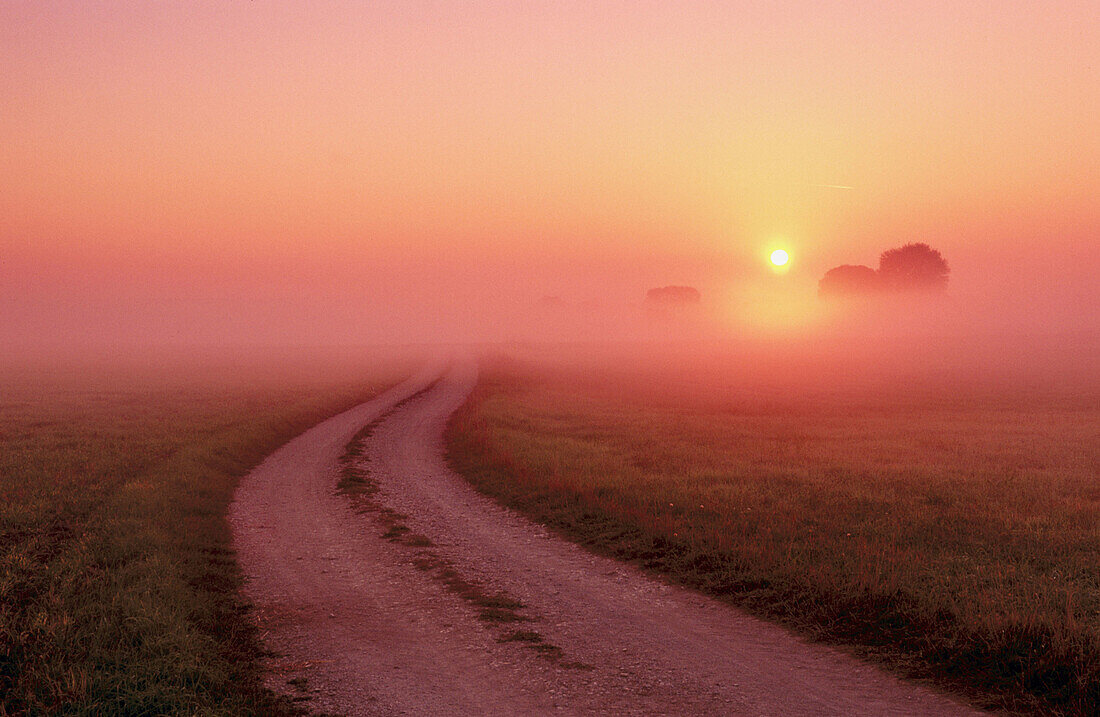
point(332, 171)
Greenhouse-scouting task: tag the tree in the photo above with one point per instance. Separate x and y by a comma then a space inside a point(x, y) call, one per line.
point(913, 267)
point(849, 281)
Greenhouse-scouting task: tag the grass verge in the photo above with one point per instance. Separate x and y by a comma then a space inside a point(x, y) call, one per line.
point(118, 587)
point(951, 540)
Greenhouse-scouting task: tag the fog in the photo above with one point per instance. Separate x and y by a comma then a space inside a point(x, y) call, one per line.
point(199, 179)
point(763, 327)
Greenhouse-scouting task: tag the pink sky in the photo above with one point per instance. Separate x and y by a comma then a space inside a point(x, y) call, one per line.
point(328, 170)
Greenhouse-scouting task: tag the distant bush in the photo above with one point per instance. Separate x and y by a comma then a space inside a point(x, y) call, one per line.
point(673, 296)
point(910, 268)
point(913, 267)
point(849, 280)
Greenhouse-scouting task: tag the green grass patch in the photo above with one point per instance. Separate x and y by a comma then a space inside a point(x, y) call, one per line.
point(118, 587)
point(950, 538)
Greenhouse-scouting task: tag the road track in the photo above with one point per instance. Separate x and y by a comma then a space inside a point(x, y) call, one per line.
point(363, 624)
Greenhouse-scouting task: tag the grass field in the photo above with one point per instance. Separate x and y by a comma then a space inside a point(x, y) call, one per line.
point(118, 590)
point(952, 535)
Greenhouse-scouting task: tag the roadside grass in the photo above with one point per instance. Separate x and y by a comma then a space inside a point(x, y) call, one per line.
point(953, 538)
point(118, 586)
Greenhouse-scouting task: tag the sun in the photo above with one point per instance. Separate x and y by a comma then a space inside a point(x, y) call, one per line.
point(780, 257)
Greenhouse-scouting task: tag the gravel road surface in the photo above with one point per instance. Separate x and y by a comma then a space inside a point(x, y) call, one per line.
point(366, 619)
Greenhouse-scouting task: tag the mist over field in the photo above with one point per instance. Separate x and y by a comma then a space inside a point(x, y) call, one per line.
point(424, 174)
point(763, 328)
point(65, 309)
point(58, 299)
point(329, 330)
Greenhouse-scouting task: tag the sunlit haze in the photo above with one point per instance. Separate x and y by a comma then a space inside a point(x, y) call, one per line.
point(348, 172)
point(532, 357)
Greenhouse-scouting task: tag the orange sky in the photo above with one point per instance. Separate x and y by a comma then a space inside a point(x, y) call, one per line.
point(175, 162)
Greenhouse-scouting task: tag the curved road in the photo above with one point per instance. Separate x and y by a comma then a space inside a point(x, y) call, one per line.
point(362, 624)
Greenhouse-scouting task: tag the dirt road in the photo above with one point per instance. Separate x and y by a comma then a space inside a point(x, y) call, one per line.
point(466, 608)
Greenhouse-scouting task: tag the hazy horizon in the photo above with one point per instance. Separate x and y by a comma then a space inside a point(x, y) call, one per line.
point(333, 173)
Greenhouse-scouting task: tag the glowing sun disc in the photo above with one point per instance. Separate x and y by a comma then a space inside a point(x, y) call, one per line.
point(780, 257)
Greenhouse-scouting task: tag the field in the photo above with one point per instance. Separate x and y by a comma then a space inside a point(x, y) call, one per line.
point(951, 533)
point(118, 590)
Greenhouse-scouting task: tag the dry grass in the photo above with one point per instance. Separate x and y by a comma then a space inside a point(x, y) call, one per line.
point(954, 537)
point(118, 588)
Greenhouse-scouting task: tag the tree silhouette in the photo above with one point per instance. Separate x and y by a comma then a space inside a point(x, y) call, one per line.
point(913, 267)
point(848, 281)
